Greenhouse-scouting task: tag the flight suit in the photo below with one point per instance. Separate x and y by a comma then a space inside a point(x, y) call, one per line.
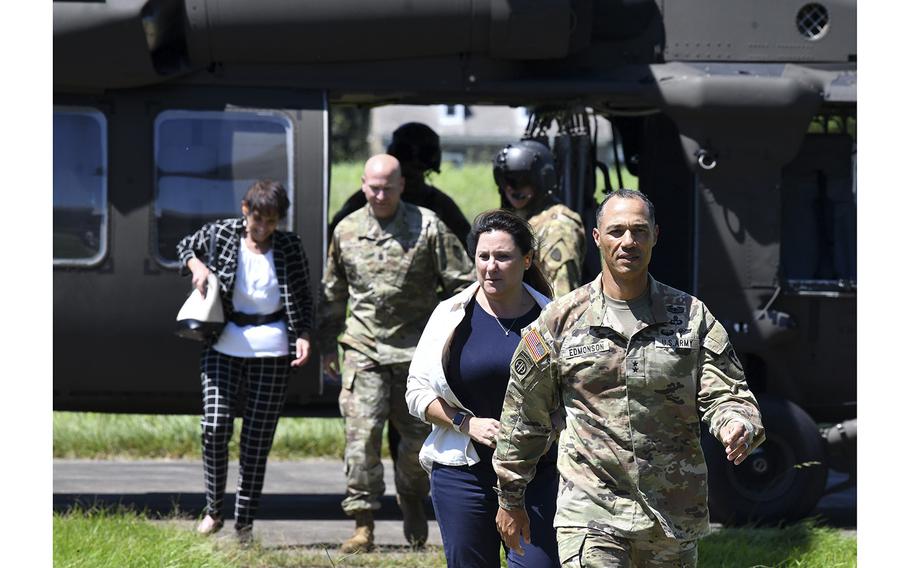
point(388, 277)
point(561, 240)
point(630, 458)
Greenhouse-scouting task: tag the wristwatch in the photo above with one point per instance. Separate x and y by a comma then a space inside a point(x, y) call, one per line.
point(459, 419)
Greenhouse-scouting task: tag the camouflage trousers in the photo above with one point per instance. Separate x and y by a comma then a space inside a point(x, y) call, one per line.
point(581, 547)
point(370, 395)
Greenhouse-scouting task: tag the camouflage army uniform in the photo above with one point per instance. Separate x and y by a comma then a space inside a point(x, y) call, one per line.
point(389, 277)
point(561, 237)
point(629, 459)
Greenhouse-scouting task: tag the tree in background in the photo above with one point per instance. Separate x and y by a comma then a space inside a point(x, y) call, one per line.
point(350, 127)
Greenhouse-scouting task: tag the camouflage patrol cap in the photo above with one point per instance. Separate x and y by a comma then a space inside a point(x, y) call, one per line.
point(529, 158)
point(416, 143)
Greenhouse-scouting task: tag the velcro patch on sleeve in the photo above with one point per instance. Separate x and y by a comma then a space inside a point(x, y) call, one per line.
point(521, 365)
point(535, 345)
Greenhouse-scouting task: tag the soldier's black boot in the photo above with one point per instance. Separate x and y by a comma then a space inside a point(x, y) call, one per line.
point(415, 520)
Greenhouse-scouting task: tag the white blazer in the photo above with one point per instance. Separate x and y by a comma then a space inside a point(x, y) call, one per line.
point(427, 381)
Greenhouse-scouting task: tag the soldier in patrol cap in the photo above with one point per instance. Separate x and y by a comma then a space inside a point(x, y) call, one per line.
point(385, 262)
point(525, 174)
point(636, 365)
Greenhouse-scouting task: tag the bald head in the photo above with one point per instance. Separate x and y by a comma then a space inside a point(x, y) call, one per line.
point(384, 165)
point(382, 185)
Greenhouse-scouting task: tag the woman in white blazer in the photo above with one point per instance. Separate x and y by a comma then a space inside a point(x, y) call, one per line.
point(457, 383)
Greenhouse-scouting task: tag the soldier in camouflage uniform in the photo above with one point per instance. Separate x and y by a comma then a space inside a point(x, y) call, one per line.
point(385, 261)
point(636, 365)
point(526, 176)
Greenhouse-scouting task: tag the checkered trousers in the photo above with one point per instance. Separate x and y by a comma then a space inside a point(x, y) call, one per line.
point(263, 382)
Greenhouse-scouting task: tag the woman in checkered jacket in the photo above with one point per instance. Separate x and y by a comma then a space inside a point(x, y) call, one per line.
point(265, 293)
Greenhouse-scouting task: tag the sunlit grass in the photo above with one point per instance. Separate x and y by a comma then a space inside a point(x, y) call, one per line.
point(94, 435)
point(101, 538)
point(803, 545)
point(471, 185)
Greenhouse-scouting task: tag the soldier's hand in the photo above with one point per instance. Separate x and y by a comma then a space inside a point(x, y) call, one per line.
point(737, 439)
point(302, 348)
point(512, 524)
point(330, 365)
point(483, 430)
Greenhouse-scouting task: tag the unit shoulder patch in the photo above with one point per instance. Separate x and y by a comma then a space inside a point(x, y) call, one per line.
point(522, 365)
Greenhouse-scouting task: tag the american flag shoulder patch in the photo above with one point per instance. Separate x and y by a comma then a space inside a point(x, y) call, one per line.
point(536, 346)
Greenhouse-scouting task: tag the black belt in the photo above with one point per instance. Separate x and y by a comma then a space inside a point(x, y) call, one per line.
point(241, 318)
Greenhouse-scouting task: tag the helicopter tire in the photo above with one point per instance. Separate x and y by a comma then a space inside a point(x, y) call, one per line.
point(781, 481)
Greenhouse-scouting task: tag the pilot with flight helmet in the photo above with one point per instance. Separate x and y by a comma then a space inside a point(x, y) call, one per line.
point(525, 173)
point(416, 146)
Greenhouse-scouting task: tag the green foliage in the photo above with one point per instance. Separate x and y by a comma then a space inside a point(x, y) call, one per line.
point(350, 127)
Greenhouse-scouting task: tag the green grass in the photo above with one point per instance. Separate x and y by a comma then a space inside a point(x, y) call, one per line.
point(803, 545)
point(101, 538)
point(86, 539)
point(92, 435)
point(471, 186)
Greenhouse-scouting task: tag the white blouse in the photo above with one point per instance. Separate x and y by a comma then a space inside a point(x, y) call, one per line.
point(256, 291)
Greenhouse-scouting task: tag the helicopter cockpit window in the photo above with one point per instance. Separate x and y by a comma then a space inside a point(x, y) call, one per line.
point(205, 162)
point(80, 186)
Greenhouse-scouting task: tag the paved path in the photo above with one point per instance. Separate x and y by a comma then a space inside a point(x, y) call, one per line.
point(300, 506)
point(301, 500)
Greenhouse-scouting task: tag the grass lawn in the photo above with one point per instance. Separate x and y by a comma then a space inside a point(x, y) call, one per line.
point(471, 186)
point(87, 539)
point(95, 435)
point(102, 538)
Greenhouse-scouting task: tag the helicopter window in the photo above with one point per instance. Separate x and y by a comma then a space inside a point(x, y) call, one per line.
point(80, 186)
point(205, 162)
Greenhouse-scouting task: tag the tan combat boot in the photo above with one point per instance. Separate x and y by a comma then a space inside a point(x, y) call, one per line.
point(362, 539)
point(415, 520)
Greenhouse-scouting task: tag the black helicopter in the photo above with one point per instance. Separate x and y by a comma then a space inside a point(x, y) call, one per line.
point(737, 117)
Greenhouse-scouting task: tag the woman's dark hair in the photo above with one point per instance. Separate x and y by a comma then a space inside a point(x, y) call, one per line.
point(523, 235)
point(267, 197)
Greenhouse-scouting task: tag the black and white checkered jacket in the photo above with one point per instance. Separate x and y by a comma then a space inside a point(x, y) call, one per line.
point(291, 269)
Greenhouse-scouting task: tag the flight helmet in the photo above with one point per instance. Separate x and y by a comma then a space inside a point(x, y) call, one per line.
point(527, 161)
point(415, 143)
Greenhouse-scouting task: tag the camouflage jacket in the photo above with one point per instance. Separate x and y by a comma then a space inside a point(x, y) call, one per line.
point(629, 456)
point(561, 240)
point(389, 279)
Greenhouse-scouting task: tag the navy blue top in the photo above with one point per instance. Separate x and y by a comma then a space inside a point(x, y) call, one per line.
point(479, 357)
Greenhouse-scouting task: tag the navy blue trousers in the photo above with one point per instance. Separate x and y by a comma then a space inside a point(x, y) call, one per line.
point(466, 504)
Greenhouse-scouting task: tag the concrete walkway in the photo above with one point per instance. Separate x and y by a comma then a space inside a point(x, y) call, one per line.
point(300, 506)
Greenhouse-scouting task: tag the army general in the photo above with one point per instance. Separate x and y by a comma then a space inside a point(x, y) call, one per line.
point(385, 261)
point(637, 365)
